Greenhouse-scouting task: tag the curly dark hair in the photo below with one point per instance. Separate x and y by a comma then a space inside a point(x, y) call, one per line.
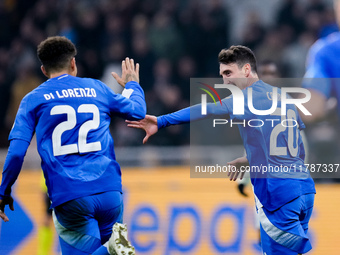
point(239, 55)
point(55, 53)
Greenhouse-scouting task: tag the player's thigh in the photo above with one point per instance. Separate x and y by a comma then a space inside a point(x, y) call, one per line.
point(271, 247)
point(67, 249)
point(110, 212)
point(307, 210)
point(76, 226)
point(285, 227)
point(294, 216)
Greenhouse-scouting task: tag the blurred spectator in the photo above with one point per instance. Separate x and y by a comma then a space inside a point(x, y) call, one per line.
point(313, 22)
point(164, 37)
point(272, 47)
point(5, 24)
point(92, 63)
point(66, 28)
point(192, 33)
point(142, 54)
point(30, 34)
point(19, 53)
point(329, 24)
point(148, 7)
point(5, 82)
point(114, 30)
point(316, 5)
point(291, 14)
point(115, 53)
point(89, 29)
point(26, 80)
point(294, 56)
point(186, 69)
point(253, 32)
point(170, 8)
point(268, 71)
point(172, 40)
point(140, 25)
point(168, 99)
point(163, 73)
point(214, 21)
point(125, 136)
point(43, 16)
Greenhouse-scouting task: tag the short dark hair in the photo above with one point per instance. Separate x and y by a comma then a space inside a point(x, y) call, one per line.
point(55, 53)
point(239, 55)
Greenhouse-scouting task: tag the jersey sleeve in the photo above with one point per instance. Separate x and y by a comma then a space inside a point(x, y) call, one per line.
point(130, 104)
point(192, 113)
point(25, 120)
point(175, 118)
point(317, 77)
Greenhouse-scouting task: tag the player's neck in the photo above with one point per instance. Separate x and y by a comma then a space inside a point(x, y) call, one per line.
point(71, 71)
point(57, 74)
point(53, 75)
point(251, 79)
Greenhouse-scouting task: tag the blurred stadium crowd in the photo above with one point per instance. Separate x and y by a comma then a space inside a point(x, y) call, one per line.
point(172, 40)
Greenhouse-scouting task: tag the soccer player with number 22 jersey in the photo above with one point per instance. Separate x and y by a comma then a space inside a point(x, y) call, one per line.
point(70, 117)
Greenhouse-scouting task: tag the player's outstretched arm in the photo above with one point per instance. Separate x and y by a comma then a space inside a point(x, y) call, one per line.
point(130, 72)
point(236, 168)
point(149, 125)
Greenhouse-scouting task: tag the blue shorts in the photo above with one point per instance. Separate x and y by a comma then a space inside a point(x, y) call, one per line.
point(84, 224)
point(284, 231)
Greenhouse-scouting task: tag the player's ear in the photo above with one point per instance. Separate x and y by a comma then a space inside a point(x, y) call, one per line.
point(44, 71)
point(73, 67)
point(246, 69)
point(73, 64)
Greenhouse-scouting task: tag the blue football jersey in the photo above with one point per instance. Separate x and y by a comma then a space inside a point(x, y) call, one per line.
point(277, 145)
point(70, 117)
point(323, 62)
point(273, 143)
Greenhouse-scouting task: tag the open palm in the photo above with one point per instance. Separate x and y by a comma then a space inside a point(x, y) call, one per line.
point(149, 125)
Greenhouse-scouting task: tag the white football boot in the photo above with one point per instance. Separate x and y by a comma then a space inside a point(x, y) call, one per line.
point(118, 242)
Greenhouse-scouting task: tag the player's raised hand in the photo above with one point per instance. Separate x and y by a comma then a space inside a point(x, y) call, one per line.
point(235, 169)
point(3, 202)
point(130, 72)
point(149, 124)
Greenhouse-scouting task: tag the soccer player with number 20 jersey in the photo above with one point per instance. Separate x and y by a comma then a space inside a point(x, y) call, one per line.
point(284, 200)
